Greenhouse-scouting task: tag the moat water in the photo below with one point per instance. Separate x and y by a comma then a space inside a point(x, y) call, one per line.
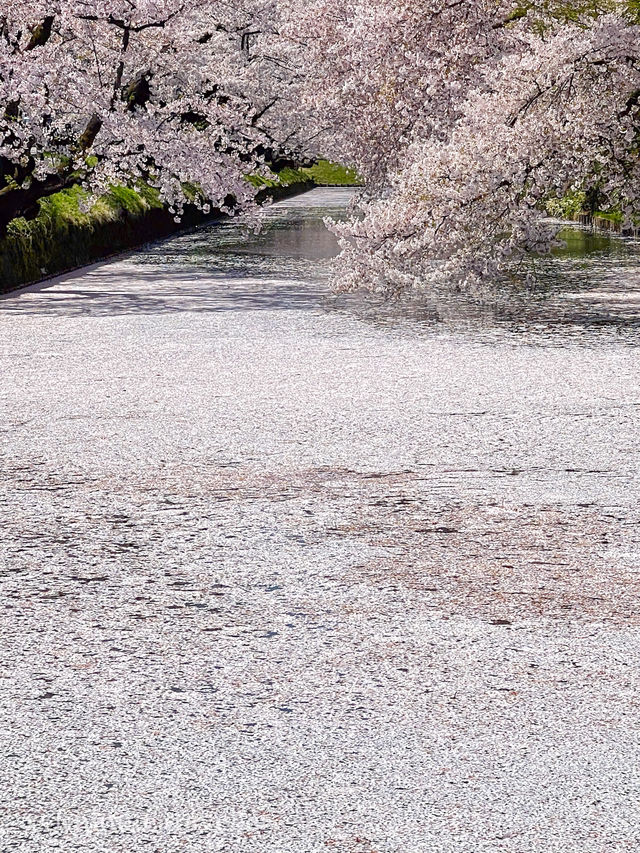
point(287, 571)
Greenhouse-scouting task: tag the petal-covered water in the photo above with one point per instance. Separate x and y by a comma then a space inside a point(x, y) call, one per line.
point(284, 571)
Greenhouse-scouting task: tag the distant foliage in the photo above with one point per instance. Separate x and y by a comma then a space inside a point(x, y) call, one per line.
point(568, 207)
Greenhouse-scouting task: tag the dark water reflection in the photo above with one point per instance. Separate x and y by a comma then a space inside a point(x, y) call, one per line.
point(589, 287)
point(290, 243)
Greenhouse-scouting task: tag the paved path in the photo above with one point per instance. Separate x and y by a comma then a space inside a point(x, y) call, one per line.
point(287, 574)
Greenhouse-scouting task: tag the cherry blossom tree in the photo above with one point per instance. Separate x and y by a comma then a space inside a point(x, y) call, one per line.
point(464, 116)
point(109, 91)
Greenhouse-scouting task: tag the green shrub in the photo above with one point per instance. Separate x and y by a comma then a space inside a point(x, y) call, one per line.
point(568, 207)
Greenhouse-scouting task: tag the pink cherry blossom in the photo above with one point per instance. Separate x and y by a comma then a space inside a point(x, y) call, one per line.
point(113, 91)
point(463, 117)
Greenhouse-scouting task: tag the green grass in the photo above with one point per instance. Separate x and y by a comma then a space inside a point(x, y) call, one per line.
point(285, 178)
point(610, 215)
point(323, 174)
point(326, 174)
point(136, 202)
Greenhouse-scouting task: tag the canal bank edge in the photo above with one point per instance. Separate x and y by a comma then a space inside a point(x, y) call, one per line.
point(60, 239)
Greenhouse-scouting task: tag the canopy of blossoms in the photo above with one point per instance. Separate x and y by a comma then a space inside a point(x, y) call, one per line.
point(463, 117)
point(115, 91)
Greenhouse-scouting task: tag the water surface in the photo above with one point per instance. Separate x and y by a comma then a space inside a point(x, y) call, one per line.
point(284, 571)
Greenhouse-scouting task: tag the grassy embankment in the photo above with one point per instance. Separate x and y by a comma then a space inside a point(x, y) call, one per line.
point(321, 174)
point(63, 236)
point(575, 207)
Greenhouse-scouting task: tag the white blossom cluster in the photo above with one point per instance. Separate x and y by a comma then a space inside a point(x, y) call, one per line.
point(463, 118)
point(109, 91)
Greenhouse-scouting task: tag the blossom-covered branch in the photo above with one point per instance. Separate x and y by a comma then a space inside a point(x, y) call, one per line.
point(123, 90)
point(463, 117)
